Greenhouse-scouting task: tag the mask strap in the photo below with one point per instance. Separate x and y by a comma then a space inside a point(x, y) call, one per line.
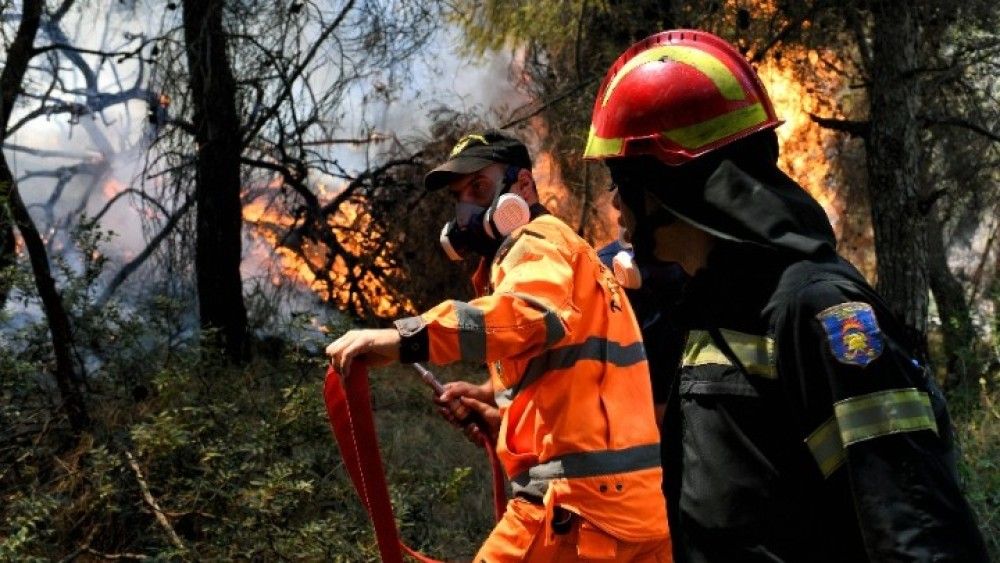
point(509, 177)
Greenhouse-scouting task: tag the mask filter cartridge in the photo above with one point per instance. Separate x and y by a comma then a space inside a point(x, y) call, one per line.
point(626, 270)
point(508, 213)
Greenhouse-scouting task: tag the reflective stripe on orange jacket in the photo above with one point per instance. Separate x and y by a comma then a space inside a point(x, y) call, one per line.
point(566, 360)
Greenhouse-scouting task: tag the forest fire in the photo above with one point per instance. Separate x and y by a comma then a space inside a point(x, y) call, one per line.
point(814, 86)
point(800, 82)
point(801, 140)
point(343, 278)
point(314, 266)
point(552, 192)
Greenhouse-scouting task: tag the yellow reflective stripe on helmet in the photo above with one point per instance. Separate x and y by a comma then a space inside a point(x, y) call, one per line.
point(756, 353)
point(826, 447)
point(727, 83)
point(884, 412)
point(706, 132)
point(600, 146)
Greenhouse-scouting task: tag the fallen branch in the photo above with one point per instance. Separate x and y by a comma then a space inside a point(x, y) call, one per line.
point(148, 497)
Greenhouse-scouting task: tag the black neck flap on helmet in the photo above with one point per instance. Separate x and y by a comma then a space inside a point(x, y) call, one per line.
point(736, 193)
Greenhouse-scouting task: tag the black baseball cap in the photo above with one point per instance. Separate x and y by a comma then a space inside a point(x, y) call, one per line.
point(476, 151)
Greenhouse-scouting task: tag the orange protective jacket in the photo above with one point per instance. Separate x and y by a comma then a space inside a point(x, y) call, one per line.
point(569, 370)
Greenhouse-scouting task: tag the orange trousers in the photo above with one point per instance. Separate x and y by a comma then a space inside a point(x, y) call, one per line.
point(520, 536)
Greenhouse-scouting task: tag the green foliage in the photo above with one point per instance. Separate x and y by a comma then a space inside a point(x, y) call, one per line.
point(976, 414)
point(240, 461)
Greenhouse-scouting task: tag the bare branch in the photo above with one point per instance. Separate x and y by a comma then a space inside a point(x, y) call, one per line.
point(254, 128)
point(852, 128)
point(65, 47)
point(116, 556)
point(373, 138)
point(312, 202)
point(62, 10)
point(860, 38)
point(130, 191)
point(52, 153)
point(963, 124)
point(131, 267)
point(551, 102)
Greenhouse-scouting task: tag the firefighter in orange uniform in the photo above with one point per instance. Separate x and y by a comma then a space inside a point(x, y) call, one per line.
point(577, 434)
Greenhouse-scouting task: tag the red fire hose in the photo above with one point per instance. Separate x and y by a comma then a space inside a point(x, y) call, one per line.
point(350, 414)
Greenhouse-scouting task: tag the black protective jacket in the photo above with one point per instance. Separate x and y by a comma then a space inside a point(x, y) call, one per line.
point(803, 427)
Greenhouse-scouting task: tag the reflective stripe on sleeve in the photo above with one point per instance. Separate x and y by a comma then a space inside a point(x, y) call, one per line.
point(869, 416)
point(884, 412)
point(471, 331)
point(826, 447)
point(535, 480)
point(554, 329)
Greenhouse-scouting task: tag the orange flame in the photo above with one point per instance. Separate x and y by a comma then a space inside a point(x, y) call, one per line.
point(805, 146)
point(801, 140)
point(303, 262)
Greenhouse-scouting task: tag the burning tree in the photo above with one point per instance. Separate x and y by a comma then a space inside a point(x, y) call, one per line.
point(297, 70)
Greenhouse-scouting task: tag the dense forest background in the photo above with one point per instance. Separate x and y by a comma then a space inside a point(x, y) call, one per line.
point(196, 194)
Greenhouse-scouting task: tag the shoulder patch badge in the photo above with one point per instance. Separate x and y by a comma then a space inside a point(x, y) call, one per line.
point(852, 332)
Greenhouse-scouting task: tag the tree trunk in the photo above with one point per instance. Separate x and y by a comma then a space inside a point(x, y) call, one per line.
point(10, 85)
point(14, 211)
point(956, 322)
point(217, 186)
point(892, 149)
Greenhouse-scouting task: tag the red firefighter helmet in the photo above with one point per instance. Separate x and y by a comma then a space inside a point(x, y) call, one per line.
point(677, 95)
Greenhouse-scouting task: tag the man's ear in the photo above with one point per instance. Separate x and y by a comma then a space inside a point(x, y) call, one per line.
point(524, 186)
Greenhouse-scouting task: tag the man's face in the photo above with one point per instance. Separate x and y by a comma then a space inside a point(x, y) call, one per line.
point(477, 188)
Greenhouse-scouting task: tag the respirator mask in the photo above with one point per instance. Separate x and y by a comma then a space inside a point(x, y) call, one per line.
point(480, 230)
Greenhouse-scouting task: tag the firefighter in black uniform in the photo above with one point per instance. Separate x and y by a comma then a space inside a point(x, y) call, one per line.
point(808, 429)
